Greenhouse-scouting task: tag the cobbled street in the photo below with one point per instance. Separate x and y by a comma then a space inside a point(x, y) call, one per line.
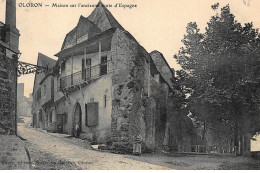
point(60, 151)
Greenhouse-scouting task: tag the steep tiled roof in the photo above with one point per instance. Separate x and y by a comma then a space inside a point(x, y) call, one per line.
point(91, 42)
point(103, 18)
point(44, 60)
point(98, 21)
point(156, 51)
point(83, 27)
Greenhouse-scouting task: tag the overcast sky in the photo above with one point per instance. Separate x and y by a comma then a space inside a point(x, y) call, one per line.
point(156, 25)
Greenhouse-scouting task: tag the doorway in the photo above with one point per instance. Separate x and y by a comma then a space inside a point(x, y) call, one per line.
point(77, 118)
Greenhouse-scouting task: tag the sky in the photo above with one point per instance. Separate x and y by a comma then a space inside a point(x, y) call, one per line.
point(156, 25)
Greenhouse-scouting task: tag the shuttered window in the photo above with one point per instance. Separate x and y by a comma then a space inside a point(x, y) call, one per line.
point(105, 100)
point(91, 117)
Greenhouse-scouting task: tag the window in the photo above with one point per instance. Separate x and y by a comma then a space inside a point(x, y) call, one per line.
point(88, 62)
point(44, 90)
point(91, 114)
point(88, 66)
point(103, 65)
point(105, 100)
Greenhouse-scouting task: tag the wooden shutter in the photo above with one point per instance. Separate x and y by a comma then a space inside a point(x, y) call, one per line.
point(86, 115)
point(88, 65)
point(92, 114)
point(83, 69)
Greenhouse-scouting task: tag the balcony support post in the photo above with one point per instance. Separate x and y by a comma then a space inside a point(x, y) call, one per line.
point(99, 51)
point(71, 69)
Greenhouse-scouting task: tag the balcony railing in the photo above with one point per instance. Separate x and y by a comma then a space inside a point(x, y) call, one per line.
point(86, 75)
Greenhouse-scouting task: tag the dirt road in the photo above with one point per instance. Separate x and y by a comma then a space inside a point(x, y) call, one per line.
point(57, 151)
point(73, 154)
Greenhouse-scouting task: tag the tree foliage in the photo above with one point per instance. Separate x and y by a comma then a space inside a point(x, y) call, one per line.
point(219, 72)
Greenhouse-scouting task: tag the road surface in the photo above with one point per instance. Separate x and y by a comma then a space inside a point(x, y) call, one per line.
point(73, 154)
point(59, 151)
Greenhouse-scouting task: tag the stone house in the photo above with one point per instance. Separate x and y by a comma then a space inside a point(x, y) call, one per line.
point(43, 95)
point(24, 104)
point(105, 82)
point(12, 149)
point(9, 43)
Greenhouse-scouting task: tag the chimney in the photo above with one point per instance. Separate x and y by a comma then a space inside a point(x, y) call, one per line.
point(10, 13)
point(12, 33)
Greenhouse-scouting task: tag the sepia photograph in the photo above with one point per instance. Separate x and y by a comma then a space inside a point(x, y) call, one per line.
point(129, 85)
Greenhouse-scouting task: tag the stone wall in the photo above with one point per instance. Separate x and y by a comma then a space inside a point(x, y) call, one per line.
point(128, 89)
point(8, 81)
point(139, 103)
point(150, 116)
point(156, 115)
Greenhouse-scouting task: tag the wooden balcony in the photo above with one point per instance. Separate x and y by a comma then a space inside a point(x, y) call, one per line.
point(79, 79)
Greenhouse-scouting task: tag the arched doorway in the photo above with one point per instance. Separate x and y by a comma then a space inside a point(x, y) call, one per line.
point(77, 118)
point(40, 117)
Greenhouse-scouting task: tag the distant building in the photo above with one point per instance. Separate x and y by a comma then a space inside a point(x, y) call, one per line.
point(43, 94)
point(20, 92)
point(24, 104)
point(30, 97)
point(106, 83)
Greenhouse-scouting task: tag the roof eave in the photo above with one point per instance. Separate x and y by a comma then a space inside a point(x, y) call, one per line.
point(90, 40)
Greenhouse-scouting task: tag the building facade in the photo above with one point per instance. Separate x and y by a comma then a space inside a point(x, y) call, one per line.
point(24, 104)
point(105, 83)
point(43, 95)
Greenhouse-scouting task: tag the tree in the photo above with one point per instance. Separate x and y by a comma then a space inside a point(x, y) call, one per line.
point(219, 76)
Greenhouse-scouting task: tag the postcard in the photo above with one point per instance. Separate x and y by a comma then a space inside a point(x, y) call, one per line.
point(129, 85)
